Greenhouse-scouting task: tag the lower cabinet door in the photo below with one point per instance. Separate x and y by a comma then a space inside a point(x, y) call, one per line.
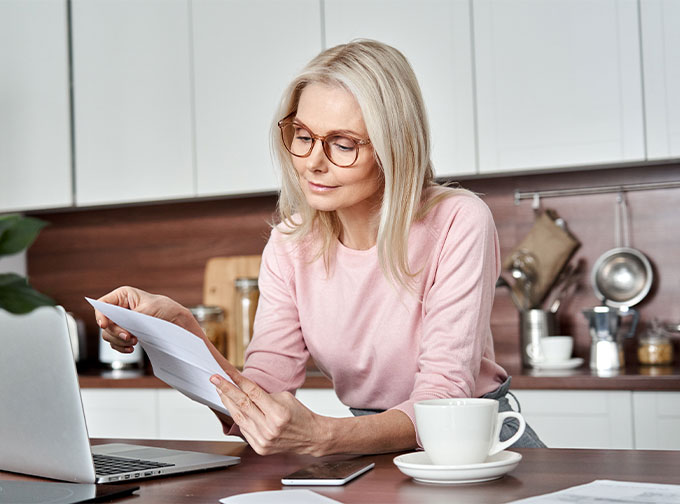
point(579, 418)
point(657, 420)
point(183, 418)
point(121, 413)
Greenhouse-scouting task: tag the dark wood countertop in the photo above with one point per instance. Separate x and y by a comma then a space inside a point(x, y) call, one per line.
point(647, 378)
point(541, 471)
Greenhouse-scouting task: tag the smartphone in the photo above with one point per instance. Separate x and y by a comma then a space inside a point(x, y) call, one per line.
point(328, 473)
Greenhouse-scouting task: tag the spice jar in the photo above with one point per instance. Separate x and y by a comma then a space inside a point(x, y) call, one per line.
point(211, 320)
point(247, 296)
point(655, 348)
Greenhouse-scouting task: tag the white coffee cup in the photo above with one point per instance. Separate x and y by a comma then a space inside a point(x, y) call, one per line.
point(463, 431)
point(556, 348)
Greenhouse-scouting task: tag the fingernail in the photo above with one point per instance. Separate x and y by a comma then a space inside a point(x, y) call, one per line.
point(99, 322)
point(215, 380)
point(123, 336)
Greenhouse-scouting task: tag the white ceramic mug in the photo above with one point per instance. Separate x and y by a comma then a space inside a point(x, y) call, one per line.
point(463, 431)
point(556, 348)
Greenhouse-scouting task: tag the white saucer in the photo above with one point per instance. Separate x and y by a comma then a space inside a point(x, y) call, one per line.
point(566, 364)
point(418, 466)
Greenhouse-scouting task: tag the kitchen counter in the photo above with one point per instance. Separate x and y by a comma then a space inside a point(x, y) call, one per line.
point(644, 378)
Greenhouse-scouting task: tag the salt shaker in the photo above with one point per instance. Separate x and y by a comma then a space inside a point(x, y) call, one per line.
point(247, 296)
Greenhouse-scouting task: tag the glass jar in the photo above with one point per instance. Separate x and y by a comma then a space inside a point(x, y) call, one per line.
point(247, 296)
point(655, 349)
point(211, 320)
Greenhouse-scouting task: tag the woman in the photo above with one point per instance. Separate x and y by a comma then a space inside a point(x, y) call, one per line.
point(385, 278)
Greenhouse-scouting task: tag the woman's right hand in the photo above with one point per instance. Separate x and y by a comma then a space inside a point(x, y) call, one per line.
point(143, 302)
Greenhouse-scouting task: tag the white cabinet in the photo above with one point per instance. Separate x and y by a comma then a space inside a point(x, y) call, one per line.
point(168, 414)
point(657, 420)
point(324, 402)
point(661, 65)
point(435, 37)
point(558, 83)
point(35, 134)
point(149, 414)
point(245, 52)
point(132, 100)
point(121, 413)
point(182, 418)
point(579, 418)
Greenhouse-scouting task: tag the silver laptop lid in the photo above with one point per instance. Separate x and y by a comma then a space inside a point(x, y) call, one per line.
point(42, 424)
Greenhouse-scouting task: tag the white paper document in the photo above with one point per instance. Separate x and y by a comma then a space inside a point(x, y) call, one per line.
point(280, 497)
point(178, 357)
point(610, 492)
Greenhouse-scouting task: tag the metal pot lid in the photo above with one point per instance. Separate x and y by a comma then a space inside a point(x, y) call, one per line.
point(622, 277)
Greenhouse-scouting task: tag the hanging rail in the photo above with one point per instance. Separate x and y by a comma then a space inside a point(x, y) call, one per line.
point(578, 191)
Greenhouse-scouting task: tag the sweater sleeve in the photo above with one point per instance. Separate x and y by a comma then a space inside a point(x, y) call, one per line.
point(457, 309)
point(276, 357)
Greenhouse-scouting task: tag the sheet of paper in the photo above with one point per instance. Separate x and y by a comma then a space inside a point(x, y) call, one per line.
point(610, 492)
point(178, 357)
point(298, 496)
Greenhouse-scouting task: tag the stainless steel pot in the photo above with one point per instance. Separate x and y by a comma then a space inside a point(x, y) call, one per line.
point(622, 276)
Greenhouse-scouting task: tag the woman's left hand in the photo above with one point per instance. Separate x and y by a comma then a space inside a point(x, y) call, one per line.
point(271, 423)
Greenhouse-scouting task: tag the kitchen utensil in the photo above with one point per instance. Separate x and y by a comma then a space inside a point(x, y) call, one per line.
point(623, 275)
point(502, 282)
point(565, 284)
point(534, 325)
point(523, 270)
point(604, 326)
point(551, 246)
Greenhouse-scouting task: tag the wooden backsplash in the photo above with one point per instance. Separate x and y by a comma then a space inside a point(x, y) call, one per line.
point(164, 247)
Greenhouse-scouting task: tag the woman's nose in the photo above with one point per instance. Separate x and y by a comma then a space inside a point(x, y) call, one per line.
point(316, 161)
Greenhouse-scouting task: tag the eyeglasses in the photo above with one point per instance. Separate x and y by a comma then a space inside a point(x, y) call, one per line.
point(340, 148)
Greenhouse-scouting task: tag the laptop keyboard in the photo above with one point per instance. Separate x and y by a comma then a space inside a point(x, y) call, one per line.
point(107, 464)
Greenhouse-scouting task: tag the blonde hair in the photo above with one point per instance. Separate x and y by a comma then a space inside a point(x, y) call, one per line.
point(387, 91)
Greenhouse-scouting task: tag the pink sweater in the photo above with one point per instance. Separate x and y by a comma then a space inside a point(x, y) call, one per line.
point(382, 348)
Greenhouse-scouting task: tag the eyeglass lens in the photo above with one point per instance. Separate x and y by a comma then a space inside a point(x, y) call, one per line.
point(341, 150)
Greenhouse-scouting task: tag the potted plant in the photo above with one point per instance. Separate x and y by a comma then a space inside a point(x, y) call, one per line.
point(16, 234)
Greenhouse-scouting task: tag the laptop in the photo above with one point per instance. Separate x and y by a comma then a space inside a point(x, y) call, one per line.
point(42, 423)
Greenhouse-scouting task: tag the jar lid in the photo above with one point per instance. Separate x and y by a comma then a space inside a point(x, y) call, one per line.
point(245, 283)
point(205, 312)
point(654, 337)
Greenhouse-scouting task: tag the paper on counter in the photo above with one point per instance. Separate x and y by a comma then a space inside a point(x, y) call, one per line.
point(280, 497)
point(178, 357)
point(610, 492)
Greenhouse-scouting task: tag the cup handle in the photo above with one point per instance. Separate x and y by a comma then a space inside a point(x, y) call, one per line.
point(499, 445)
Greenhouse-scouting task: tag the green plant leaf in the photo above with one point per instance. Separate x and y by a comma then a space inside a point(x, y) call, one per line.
point(17, 296)
point(18, 233)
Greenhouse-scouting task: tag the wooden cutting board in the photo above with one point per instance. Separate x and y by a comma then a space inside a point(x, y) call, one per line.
point(218, 288)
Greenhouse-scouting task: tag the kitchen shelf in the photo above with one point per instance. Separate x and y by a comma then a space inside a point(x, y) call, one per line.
point(632, 378)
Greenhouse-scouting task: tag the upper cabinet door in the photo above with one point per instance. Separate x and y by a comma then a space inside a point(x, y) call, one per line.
point(558, 83)
point(245, 53)
point(435, 37)
point(35, 131)
point(661, 64)
point(132, 99)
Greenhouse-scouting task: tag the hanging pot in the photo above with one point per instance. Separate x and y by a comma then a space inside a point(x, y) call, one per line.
point(622, 276)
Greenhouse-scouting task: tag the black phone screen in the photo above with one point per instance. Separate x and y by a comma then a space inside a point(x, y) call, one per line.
point(340, 470)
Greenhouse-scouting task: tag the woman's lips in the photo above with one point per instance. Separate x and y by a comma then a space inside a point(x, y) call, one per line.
point(320, 187)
